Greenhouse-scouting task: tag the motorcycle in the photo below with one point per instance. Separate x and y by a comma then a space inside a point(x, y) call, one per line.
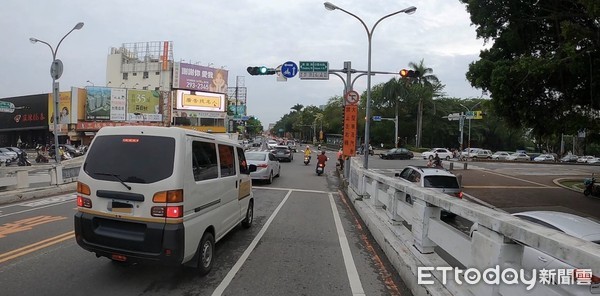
point(23, 160)
point(590, 187)
point(320, 168)
point(319, 147)
point(306, 160)
point(41, 158)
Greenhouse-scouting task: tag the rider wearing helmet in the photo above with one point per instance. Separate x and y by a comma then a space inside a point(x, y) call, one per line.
point(307, 151)
point(321, 159)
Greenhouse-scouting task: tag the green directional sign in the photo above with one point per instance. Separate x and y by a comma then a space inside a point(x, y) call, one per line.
point(7, 107)
point(314, 70)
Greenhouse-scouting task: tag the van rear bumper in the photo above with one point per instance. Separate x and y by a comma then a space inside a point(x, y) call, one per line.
point(138, 241)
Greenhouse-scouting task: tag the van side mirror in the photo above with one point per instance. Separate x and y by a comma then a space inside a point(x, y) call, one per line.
point(251, 168)
point(397, 175)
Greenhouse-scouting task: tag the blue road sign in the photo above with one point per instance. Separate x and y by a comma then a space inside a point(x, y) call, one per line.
point(376, 118)
point(289, 69)
point(245, 118)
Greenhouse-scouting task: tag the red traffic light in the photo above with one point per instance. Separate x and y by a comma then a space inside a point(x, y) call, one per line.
point(409, 73)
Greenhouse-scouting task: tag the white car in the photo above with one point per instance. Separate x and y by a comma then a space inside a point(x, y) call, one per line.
point(267, 166)
point(500, 155)
point(443, 153)
point(585, 159)
point(271, 144)
point(570, 224)
point(518, 156)
point(544, 157)
point(482, 154)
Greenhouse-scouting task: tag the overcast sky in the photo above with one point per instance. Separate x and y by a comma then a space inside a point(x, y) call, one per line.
point(235, 34)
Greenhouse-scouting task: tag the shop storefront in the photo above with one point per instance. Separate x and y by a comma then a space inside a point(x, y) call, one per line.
point(24, 121)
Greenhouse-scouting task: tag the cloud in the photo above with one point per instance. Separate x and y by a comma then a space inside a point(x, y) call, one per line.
point(237, 34)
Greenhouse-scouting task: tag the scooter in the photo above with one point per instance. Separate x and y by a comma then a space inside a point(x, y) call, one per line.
point(41, 158)
point(306, 160)
point(23, 160)
point(590, 187)
point(320, 168)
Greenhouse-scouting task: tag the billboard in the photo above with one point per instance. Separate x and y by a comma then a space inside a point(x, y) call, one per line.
point(24, 112)
point(97, 105)
point(200, 101)
point(199, 78)
point(143, 105)
point(64, 108)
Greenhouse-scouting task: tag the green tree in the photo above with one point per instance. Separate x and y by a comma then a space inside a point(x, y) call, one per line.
point(541, 66)
point(426, 86)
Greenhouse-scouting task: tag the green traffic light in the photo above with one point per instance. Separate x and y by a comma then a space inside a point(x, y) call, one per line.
point(262, 70)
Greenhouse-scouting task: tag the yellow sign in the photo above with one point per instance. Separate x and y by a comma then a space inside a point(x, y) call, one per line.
point(201, 101)
point(478, 115)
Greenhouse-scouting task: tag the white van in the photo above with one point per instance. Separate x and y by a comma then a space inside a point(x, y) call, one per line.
point(162, 194)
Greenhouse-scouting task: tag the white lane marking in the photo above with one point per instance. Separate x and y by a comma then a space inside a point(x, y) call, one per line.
point(35, 209)
point(49, 200)
point(234, 270)
point(353, 278)
point(292, 189)
point(25, 203)
point(515, 178)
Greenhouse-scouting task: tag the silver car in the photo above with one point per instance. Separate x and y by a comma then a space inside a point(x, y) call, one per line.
point(267, 166)
point(13, 155)
point(570, 224)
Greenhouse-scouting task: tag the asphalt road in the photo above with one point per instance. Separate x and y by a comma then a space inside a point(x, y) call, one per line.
point(305, 240)
point(514, 187)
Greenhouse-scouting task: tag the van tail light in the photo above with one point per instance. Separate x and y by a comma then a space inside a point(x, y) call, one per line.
point(171, 196)
point(264, 165)
point(167, 211)
point(83, 188)
point(459, 194)
point(83, 202)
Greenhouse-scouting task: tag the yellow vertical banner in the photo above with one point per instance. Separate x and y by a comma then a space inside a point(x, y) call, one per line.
point(64, 106)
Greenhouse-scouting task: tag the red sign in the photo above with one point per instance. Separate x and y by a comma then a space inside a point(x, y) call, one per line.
point(352, 97)
point(350, 127)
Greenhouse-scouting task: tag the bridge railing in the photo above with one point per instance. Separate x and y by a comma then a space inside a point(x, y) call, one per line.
point(24, 177)
point(413, 235)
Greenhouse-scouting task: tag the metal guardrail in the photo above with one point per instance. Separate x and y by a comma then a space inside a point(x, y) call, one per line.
point(421, 238)
point(24, 177)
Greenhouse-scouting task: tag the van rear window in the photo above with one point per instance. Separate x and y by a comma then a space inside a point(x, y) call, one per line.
point(133, 159)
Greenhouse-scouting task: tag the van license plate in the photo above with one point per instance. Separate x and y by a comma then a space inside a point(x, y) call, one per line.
point(121, 207)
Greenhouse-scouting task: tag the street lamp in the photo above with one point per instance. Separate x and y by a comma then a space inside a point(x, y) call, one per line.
point(408, 10)
point(56, 69)
point(91, 83)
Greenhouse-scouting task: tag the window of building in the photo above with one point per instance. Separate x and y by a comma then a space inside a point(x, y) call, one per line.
point(157, 88)
point(134, 73)
point(145, 74)
point(125, 76)
point(157, 73)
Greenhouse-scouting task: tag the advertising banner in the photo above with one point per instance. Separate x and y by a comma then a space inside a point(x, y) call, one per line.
point(118, 103)
point(64, 108)
point(24, 112)
point(199, 78)
point(200, 101)
point(241, 109)
point(199, 114)
point(97, 103)
point(143, 105)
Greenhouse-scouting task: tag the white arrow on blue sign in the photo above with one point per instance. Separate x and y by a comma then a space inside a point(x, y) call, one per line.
point(289, 69)
point(376, 118)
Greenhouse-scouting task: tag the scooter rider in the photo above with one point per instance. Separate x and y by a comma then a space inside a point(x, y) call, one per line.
point(307, 152)
point(321, 159)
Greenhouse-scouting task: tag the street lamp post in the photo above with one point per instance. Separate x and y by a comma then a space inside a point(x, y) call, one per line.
point(56, 71)
point(408, 10)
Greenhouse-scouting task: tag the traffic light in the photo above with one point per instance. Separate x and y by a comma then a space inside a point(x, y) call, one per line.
point(409, 73)
point(262, 70)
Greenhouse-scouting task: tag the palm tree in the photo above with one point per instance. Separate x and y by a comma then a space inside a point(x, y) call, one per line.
point(395, 91)
point(430, 86)
point(297, 107)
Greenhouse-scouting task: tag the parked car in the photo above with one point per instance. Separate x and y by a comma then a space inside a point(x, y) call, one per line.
point(544, 157)
point(518, 156)
point(500, 155)
point(15, 149)
point(267, 165)
point(397, 153)
point(585, 159)
point(5, 160)
point(533, 155)
point(443, 153)
point(570, 224)
point(13, 155)
point(437, 179)
point(569, 158)
point(595, 160)
point(482, 154)
point(282, 152)
point(468, 152)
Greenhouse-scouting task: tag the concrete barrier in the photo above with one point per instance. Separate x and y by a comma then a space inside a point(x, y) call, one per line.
point(413, 236)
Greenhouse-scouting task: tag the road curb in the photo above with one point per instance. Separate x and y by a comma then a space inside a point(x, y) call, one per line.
point(558, 180)
point(29, 193)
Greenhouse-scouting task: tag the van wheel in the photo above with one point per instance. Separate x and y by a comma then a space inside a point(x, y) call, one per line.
point(206, 253)
point(247, 222)
point(270, 180)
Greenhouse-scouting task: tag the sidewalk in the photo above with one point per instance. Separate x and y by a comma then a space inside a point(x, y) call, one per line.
point(17, 195)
